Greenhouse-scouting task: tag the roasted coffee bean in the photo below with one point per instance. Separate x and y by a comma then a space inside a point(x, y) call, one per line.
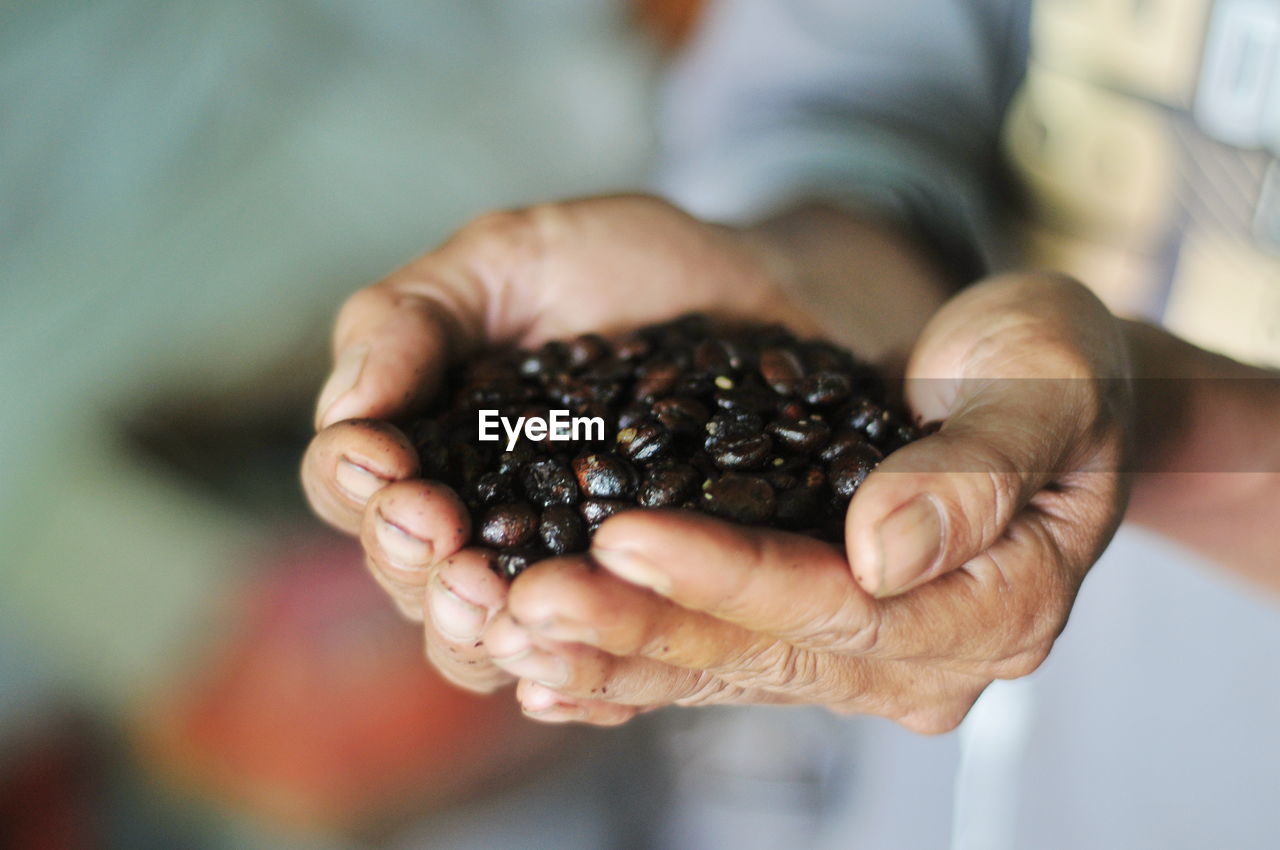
point(549, 482)
point(826, 389)
point(505, 526)
point(547, 360)
point(694, 385)
point(490, 488)
point(740, 498)
point(848, 471)
point(681, 414)
point(585, 350)
point(733, 423)
point(841, 444)
point(596, 511)
point(645, 442)
point(746, 452)
point(512, 562)
point(510, 463)
point(782, 370)
point(634, 346)
point(633, 414)
point(685, 412)
point(806, 435)
point(604, 476)
point(655, 379)
point(667, 484)
point(562, 530)
point(719, 356)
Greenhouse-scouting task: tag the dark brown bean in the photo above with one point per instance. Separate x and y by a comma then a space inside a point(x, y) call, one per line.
point(668, 484)
point(645, 442)
point(585, 350)
point(562, 530)
point(826, 389)
point(604, 476)
point(746, 452)
point(740, 498)
point(596, 511)
point(505, 526)
point(655, 379)
point(782, 370)
point(512, 562)
point(681, 414)
point(549, 482)
point(806, 435)
point(849, 470)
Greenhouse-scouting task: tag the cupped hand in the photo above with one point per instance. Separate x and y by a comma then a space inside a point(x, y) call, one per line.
point(964, 550)
point(519, 277)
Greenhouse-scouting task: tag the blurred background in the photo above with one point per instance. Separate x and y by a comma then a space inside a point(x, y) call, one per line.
point(188, 190)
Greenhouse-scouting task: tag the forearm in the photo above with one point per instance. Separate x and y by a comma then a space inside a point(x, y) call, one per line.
point(1207, 452)
point(871, 286)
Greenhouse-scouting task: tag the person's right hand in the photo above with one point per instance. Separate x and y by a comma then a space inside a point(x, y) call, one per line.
point(522, 277)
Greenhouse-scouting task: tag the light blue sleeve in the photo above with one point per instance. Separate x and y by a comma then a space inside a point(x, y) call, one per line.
point(892, 105)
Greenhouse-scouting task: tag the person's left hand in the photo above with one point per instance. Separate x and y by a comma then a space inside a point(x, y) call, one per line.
point(965, 549)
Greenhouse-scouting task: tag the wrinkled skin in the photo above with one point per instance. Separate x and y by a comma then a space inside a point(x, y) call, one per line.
point(963, 554)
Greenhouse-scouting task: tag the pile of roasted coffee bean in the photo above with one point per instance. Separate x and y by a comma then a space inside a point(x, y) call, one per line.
point(749, 424)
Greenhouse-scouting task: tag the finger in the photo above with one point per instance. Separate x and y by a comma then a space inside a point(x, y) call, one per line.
point(392, 341)
point(347, 463)
point(564, 607)
point(546, 705)
point(1013, 366)
point(408, 527)
point(792, 587)
point(463, 595)
point(568, 600)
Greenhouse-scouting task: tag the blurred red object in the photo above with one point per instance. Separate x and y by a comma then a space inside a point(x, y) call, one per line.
point(321, 712)
point(48, 789)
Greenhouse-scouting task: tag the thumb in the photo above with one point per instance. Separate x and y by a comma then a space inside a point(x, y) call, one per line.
point(935, 504)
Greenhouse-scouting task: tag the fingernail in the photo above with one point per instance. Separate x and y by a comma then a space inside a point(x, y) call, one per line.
point(537, 665)
point(910, 542)
point(402, 549)
point(453, 616)
point(356, 481)
point(634, 568)
point(561, 712)
point(537, 698)
point(345, 375)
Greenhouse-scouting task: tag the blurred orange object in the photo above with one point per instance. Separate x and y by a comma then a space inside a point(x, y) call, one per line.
point(670, 20)
point(320, 711)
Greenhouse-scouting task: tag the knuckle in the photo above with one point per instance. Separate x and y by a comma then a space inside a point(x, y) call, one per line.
point(708, 690)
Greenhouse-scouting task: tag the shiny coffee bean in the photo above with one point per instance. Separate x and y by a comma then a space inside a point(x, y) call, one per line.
point(505, 526)
point(655, 379)
point(806, 435)
point(562, 530)
point(667, 484)
point(849, 471)
point(740, 498)
point(490, 488)
point(745, 452)
point(549, 482)
point(510, 563)
point(585, 350)
point(604, 476)
point(681, 414)
point(596, 511)
point(826, 389)
point(644, 442)
point(782, 370)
